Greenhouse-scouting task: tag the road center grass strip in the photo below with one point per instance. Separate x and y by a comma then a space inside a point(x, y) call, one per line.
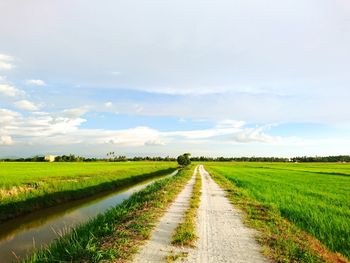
point(185, 233)
point(117, 234)
point(26, 187)
point(282, 241)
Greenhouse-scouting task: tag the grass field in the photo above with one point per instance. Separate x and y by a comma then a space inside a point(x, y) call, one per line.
point(314, 197)
point(28, 186)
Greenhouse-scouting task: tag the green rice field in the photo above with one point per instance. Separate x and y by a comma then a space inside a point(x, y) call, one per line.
point(28, 186)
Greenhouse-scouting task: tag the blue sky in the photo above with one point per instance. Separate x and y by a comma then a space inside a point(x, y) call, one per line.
point(161, 77)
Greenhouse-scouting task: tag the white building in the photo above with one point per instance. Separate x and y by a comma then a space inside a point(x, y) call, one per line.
point(50, 158)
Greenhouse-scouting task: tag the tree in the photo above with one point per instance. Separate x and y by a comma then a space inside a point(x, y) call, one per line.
point(184, 159)
point(181, 160)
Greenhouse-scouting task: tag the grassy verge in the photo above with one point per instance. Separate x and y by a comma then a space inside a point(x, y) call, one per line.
point(26, 188)
point(282, 241)
point(185, 233)
point(116, 234)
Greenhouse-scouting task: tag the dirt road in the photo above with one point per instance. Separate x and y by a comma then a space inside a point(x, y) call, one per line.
point(159, 246)
point(222, 235)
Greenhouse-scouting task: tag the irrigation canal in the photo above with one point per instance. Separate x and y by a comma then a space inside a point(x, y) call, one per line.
point(21, 236)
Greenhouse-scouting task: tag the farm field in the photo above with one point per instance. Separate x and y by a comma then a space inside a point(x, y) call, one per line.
point(28, 186)
point(313, 196)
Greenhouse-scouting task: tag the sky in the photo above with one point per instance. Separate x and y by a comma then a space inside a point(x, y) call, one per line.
point(163, 77)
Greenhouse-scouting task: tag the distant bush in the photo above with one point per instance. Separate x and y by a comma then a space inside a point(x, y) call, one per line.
point(184, 159)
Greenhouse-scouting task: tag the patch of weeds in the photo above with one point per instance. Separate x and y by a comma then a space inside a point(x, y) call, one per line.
point(185, 233)
point(176, 256)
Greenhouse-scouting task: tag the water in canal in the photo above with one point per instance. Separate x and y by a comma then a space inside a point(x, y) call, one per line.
point(20, 236)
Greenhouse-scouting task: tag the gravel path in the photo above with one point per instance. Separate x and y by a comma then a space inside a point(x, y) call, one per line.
point(222, 235)
point(158, 247)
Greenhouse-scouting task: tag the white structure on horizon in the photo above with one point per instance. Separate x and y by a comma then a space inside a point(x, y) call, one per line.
point(50, 158)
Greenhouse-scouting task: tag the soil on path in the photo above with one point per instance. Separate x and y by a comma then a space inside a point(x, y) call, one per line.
point(159, 246)
point(222, 235)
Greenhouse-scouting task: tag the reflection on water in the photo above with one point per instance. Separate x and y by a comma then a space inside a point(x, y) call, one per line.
point(20, 236)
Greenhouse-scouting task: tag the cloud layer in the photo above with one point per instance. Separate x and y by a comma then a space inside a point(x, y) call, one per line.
point(26, 105)
point(243, 76)
point(64, 128)
point(8, 90)
point(35, 82)
point(6, 62)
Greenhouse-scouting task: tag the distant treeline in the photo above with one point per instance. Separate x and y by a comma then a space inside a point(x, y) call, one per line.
point(30, 159)
point(239, 159)
point(303, 159)
point(324, 159)
point(75, 158)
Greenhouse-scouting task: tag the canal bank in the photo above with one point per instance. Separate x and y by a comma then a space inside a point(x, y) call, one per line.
point(21, 236)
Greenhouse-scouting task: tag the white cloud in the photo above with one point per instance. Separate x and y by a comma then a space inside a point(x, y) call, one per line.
point(108, 104)
point(5, 140)
point(2, 78)
point(155, 143)
point(183, 90)
point(5, 57)
point(235, 132)
point(62, 125)
point(230, 123)
point(9, 90)
point(40, 113)
point(254, 135)
point(62, 128)
point(35, 82)
point(75, 112)
point(7, 117)
point(116, 73)
point(138, 136)
point(202, 134)
point(37, 125)
point(146, 136)
point(26, 105)
point(5, 62)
